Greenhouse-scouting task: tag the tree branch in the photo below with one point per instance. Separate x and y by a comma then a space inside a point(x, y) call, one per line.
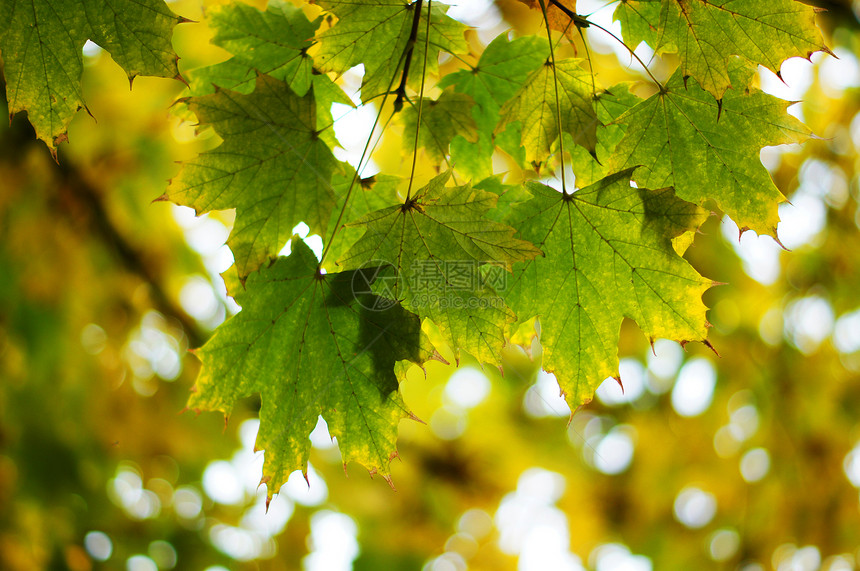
point(18, 140)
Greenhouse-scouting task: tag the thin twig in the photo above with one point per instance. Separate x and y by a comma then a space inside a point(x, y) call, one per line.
point(410, 48)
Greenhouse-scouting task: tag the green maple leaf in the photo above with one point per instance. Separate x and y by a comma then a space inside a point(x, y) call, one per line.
point(310, 345)
point(273, 168)
point(238, 77)
point(41, 43)
point(376, 33)
point(436, 242)
point(441, 120)
point(608, 255)
point(709, 149)
point(504, 67)
point(639, 20)
point(274, 42)
point(706, 33)
point(534, 107)
point(502, 70)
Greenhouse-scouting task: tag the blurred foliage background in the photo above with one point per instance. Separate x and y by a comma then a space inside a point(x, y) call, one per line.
point(746, 461)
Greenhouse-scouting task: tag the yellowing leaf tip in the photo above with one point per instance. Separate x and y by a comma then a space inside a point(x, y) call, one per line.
point(710, 346)
point(388, 479)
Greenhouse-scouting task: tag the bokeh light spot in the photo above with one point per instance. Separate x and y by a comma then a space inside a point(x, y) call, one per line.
point(467, 388)
point(695, 507)
point(98, 545)
point(755, 465)
point(694, 388)
point(723, 544)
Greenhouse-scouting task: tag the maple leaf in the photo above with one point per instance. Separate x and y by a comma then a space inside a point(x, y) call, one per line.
point(274, 42)
point(534, 107)
point(272, 167)
point(639, 20)
point(706, 33)
point(238, 77)
point(707, 149)
point(377, 34)
point(310, 346)
point(41, 43)
point(608, 255)
point(441, 120)
point(436, 242)
point(502, 70)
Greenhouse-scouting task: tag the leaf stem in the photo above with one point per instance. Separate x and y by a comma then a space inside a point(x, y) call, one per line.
point(420, 97)
point(364, 154)
point(350, 189)
point(557, 101)
point(588, 23)
point(590, 61)
point(577, 19)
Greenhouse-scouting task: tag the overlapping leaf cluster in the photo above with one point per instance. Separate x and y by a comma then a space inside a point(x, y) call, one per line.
point(333, 337)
